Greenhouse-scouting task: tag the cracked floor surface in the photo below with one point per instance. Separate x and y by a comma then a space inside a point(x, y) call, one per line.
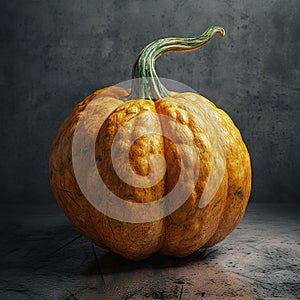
point(44, 257)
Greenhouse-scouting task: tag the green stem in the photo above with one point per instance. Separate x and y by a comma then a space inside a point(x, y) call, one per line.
point(146, 84)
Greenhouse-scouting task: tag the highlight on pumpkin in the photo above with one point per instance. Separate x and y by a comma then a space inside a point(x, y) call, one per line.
point(131, 136)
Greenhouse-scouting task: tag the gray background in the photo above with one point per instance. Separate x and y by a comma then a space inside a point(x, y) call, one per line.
point(54, 53)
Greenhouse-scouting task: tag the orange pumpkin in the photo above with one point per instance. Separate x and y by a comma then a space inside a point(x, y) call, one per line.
point(206, 166)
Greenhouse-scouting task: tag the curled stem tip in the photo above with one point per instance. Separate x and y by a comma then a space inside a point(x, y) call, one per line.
point(146, 84)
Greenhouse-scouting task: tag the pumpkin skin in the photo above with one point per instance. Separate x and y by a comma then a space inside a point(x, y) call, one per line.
point(190, 227)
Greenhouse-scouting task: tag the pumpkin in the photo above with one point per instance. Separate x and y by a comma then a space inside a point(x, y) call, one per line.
point(180, 143)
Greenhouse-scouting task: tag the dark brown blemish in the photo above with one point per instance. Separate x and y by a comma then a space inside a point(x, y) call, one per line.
point(239, 193)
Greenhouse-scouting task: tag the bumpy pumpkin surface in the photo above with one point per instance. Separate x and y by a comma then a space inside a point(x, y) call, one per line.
point(202, 124)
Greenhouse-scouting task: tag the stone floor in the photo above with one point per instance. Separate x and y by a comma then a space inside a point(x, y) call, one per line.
point(43, 257)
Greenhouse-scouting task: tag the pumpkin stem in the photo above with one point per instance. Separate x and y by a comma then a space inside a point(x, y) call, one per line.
point(146, 84)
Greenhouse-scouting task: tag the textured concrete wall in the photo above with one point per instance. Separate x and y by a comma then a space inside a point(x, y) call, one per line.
point(54, 53)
